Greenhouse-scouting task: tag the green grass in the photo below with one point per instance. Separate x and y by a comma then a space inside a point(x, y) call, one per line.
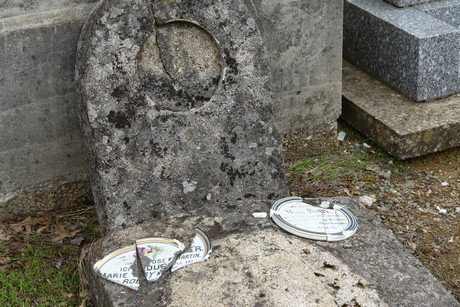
point(38, 276)
point(347, 159)
point(39, 263)
point(339, 172)
point(332, 169)
point(300, 168)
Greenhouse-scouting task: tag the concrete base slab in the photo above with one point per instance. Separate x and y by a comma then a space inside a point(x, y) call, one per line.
point(255, 263)
point(447, 11)
point(402, 127)
point(404, 3)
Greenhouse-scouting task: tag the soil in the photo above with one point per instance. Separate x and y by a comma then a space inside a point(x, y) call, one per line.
point(418, 199)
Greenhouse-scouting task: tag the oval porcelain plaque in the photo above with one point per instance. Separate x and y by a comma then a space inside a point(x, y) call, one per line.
point(120, 266)
point(296, 216)
point(200, 250)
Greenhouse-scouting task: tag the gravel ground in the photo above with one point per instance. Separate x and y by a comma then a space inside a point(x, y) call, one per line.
point(419, 199)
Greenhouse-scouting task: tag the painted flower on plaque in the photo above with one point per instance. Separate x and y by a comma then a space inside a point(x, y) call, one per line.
point(157, 255)
point(150, 251)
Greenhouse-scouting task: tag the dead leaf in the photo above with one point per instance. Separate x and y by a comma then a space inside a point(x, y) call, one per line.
point(61, 233)
point(18, 228)
point(348, 192)
point(4, 235)
point(75, 213)
point(385, 174)
point(25, 226)
point(71, 296)
point(43, 228)
point(16, 247)
point(5, 260)
point(43, 220)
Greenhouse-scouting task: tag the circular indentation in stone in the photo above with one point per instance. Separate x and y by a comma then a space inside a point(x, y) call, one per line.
point(180, 65)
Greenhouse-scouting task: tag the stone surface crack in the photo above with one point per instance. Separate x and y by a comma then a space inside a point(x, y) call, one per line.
point(160, 56)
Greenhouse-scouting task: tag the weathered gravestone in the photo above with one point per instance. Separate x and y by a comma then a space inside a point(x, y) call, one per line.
point(176, 109)
point(175, 104)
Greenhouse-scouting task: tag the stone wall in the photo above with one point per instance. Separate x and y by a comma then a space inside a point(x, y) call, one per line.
point(9, 8)
point(42, 163)
point(304, 41)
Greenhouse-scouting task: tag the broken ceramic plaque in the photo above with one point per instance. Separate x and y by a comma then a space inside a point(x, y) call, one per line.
point(312, 222)
point(200, 250)
point(120, 266)
point(157, 255)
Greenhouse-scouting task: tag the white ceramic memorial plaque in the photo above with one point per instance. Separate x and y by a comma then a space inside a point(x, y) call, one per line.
point(200, 250)
point(157, 255)
point(120, 266)
point(312, 222)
